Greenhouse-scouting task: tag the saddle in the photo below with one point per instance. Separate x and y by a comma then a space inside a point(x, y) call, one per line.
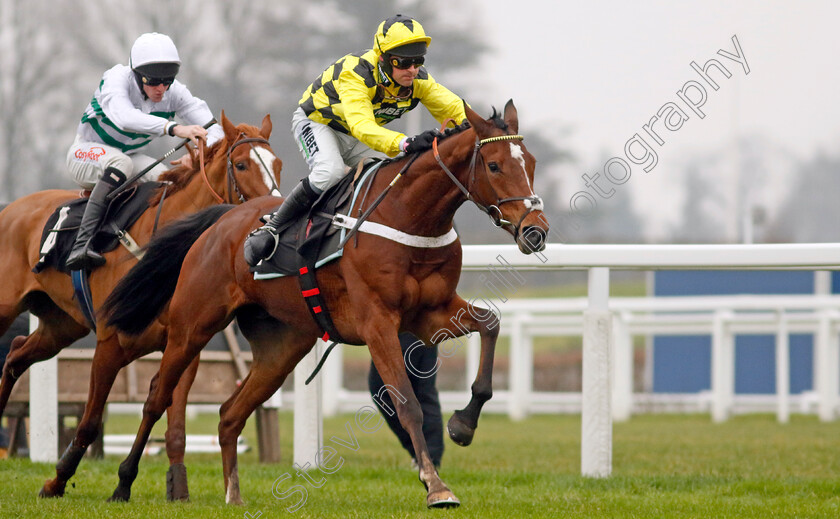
point(62, 226)
point(313, 241)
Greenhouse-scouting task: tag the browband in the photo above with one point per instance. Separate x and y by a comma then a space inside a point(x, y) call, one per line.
point(500, 138)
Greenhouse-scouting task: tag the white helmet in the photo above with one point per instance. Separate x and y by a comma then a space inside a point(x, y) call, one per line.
point(154, 55)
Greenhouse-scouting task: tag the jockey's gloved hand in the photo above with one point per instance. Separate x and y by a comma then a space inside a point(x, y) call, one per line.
point(420, 142)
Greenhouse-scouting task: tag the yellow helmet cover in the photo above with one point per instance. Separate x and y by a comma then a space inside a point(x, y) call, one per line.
point(397, 31)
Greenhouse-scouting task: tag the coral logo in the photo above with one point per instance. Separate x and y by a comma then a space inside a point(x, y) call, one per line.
point(92, 154)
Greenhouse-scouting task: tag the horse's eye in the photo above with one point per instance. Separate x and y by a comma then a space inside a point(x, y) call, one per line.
point(241, 166)
point(494, 167)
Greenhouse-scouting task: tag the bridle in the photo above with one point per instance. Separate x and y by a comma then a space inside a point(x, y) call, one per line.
point(232, 185)
point(532, 203)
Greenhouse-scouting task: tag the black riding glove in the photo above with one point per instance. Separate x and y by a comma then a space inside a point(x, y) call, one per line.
point(420, 142)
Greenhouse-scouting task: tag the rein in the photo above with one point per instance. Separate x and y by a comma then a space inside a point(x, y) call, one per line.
point(532, 203)
point(216, 195)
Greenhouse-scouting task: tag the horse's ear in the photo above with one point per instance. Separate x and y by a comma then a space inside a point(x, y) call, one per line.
point(481, 127)
point(265, 129)
point(229, 128)
point(511, 119)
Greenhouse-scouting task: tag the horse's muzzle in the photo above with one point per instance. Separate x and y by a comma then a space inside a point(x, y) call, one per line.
point(532, 239)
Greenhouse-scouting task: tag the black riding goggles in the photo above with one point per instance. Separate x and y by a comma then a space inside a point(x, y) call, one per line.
point(404, 63)
point(155, 81)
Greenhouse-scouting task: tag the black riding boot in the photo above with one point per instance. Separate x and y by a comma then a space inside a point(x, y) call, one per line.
point(81, 256)
point(262, 242)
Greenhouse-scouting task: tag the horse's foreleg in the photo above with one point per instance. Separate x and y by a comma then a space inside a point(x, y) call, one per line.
point(276, 353)
point(253, 391)
point(108, 359)
point(462, 424)
point(12, 370)
point(387, 357)
point(457, 320)
point(176, 439)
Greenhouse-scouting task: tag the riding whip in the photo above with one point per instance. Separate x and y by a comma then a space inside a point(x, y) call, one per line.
point(166, 155)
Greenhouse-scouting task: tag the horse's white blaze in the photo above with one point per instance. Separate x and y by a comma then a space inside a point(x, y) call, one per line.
point(517, 153)
point(265, 159)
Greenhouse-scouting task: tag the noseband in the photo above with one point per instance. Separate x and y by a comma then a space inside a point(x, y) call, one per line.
point(231, 178)
point(532, 203)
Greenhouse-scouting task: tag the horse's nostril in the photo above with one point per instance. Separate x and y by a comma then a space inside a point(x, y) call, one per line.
point(534, 238)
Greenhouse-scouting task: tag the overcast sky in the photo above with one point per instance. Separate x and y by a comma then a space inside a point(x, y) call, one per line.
point(604, 68)
point(607, 66)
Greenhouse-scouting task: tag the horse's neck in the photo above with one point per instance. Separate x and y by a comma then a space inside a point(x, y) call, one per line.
point(193, 197)
point(429, 198)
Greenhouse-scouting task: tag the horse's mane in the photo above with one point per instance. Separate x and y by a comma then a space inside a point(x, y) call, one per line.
point(448, 132)
point(496, 118)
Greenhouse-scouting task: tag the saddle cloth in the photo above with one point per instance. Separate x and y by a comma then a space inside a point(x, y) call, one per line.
point(62, 226)
point(314, 240)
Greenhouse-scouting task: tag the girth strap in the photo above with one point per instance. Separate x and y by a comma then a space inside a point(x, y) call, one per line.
point(81, 289)
point(378, 229)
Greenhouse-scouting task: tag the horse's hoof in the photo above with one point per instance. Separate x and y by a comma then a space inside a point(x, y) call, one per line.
point(442, 499)
point(51, 489)
point(120, 495)
point(460, 432)
point(176, 483)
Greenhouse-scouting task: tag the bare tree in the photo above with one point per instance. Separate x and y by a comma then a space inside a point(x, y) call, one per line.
point(33, 97)
point(248, 58)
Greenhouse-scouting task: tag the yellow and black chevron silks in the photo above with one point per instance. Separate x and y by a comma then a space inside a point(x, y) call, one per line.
point(353, 85)
point(322, 99)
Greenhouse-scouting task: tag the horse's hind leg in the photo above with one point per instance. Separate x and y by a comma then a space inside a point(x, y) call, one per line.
point(384, 347)
point(177, 357)
point(462, 424)
point(108, 359)
point(56, 330)
point(176, 437)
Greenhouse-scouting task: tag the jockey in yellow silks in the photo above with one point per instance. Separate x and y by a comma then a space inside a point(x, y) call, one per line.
point(340, 117)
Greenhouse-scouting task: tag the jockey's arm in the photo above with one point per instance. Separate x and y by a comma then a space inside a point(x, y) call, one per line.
point(119, 109)
point(195, 113)
point(358, 112)
point(441, 102)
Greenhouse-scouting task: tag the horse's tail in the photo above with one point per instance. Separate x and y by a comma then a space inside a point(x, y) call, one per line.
point(141, 295)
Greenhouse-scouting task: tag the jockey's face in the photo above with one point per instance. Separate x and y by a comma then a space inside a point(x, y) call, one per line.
point(156, 92)
point(405, 76)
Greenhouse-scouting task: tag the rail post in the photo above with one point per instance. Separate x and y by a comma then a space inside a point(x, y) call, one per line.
point(43, 407)
point(596, 418)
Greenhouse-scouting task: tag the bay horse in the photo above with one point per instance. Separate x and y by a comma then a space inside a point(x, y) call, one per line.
point(375, 290)
point(241, 166)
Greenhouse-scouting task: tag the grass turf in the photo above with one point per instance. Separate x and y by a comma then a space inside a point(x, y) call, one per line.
point(663, 466)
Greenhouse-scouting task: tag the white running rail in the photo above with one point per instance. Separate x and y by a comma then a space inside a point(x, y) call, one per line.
point(608, 324)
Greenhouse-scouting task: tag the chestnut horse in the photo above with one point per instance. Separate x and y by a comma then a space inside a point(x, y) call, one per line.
point(241, 166)
point(375, 290)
